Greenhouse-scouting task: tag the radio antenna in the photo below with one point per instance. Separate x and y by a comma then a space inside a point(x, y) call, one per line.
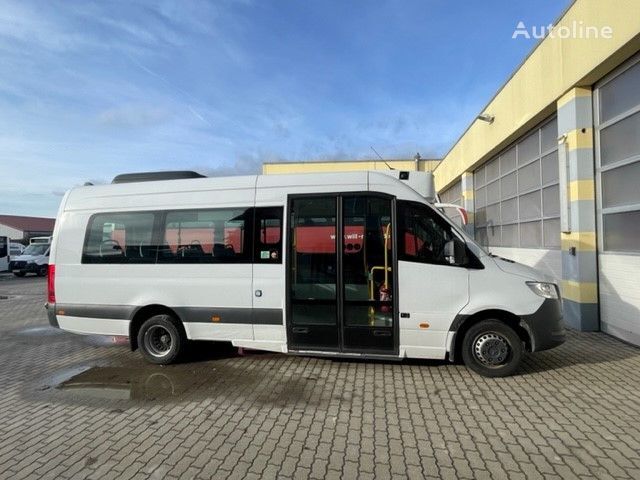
point(380, 157)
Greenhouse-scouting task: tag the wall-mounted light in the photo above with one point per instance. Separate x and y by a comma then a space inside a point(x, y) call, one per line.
point(485, 117)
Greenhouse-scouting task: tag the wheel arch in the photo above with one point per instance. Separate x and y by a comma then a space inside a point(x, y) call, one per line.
point(143, 313)
point(463, 323)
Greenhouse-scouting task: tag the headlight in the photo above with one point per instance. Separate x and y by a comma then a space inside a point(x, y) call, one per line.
point(543, 289)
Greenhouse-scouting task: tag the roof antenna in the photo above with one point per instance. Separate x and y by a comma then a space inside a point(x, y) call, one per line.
point(380, 157)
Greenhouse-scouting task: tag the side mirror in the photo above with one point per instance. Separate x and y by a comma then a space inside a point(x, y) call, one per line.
point(455, 251)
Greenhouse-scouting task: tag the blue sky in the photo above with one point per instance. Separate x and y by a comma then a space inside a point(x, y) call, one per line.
point(92, 89)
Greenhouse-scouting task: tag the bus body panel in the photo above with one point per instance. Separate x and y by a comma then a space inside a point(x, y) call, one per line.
point(430, 298)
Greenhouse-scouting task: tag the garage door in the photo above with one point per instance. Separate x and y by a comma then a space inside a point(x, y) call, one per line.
point(618, 198)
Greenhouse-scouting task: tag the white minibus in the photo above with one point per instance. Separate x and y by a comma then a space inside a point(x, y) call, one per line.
point(357, 265)
point(4, 253)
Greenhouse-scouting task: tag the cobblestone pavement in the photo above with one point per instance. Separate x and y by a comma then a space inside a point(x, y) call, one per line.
point(86, 407)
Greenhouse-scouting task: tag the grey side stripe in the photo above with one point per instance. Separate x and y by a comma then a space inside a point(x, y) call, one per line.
point(116, 312)
point(257, 316)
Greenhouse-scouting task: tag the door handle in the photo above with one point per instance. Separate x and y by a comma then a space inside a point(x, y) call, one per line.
point(258, 293)
point(300, 330)
point(381, 333)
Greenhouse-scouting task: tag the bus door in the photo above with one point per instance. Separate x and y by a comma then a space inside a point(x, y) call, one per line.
point(341, 275)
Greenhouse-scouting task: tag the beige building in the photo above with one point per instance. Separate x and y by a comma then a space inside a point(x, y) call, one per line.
point(551, 172)
point(419, 164)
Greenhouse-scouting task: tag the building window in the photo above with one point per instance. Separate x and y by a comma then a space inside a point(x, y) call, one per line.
point(618, 159)
point(516, 193)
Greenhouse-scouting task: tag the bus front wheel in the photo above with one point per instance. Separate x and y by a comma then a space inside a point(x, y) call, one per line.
point(492, 348)
point(161, 340)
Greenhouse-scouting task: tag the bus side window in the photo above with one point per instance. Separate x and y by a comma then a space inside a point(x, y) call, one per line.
point(423, 234)
point(268, 235)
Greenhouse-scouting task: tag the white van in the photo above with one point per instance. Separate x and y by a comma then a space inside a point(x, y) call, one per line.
point(15, 249)
point(33, 259)
point(338, 264)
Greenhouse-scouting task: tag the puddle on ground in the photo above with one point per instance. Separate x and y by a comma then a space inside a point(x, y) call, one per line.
point(125, 383)
point(262, 384)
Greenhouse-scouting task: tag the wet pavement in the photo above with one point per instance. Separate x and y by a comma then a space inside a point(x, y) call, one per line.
point(87, 407)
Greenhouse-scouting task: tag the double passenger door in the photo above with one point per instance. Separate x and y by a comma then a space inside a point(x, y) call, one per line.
point(341, 275)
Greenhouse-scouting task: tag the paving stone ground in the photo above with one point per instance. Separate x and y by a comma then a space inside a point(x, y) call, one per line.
point(85, 407)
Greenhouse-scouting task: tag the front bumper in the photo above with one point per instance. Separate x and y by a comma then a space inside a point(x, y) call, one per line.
point(545, 326)
point(23, 267)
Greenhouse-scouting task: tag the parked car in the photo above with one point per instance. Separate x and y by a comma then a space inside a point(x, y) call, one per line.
point(34, 259)
point(15, 249)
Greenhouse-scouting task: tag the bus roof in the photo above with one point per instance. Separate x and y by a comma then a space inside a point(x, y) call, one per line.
point(236, 190)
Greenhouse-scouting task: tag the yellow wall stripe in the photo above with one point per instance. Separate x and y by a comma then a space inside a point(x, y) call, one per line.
point(573, 94)
point(582, 241)
point(579, 139)
point(581, 190)
point(581, 292)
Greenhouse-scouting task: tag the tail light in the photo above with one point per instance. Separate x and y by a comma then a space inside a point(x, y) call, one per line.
point(51, 284)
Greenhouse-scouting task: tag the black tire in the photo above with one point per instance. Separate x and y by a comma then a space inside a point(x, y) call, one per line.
point(161, 339)
point(492, 348)
point(19, 274)
point(42, 271)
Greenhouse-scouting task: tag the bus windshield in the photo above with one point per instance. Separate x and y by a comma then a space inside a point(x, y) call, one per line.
point(36, 249)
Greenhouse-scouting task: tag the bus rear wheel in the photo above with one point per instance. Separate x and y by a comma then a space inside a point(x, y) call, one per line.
point(492, 349)
point(161, 340)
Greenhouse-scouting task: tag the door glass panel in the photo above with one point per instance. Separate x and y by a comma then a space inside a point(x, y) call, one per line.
point(508, 161)
point(621, 231)
point(550, 168)
point(509, 185)
point(367, 261)
point(313, 261)
point(492, 170)
point(551, 201)
point(620, 94)
point(620, 186)
point(509, 210)
point(620, 140)
point(549, 135)
point(530, 235)
point(528, 149)
point(510, 235)
point(529, 177)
